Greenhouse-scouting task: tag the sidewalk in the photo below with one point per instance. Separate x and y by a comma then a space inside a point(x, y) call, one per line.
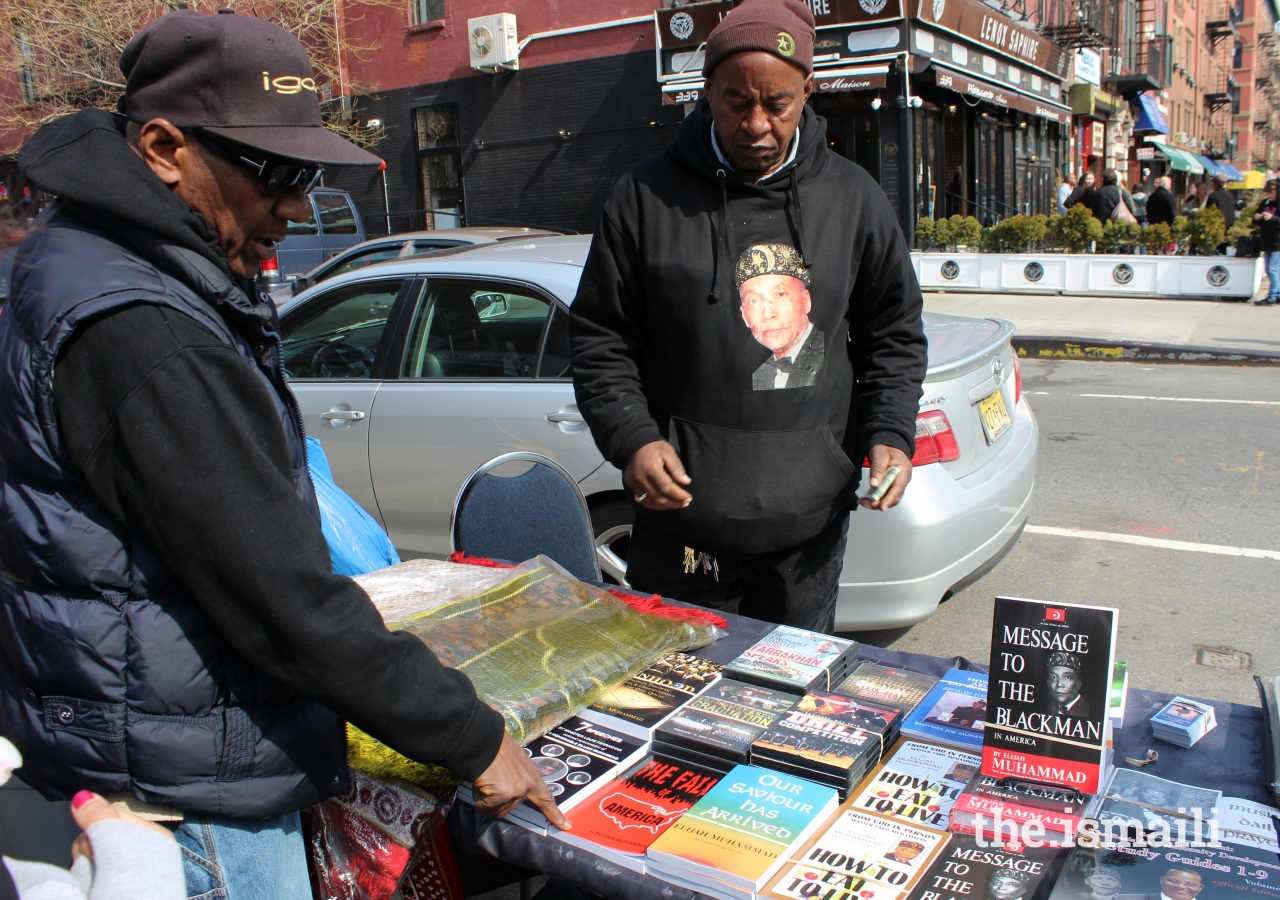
point(1220, 327)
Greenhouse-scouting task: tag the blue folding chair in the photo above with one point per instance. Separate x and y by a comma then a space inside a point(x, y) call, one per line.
point(541, 511)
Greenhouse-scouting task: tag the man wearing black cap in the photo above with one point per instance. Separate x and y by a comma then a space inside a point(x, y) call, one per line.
point(746, 331)
point(170, 630)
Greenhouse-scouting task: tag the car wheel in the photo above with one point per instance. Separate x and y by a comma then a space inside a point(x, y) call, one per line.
point(611, 521)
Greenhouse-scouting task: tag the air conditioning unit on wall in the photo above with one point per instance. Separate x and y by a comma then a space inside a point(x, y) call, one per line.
point(492, 42)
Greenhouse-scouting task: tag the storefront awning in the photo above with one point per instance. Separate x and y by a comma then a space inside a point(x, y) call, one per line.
point(1230, 171)
point(1213, 167)
point(1252, 180)
point(963, 83)
point(1149, 116)
point(1179, 160)
point(825, 81)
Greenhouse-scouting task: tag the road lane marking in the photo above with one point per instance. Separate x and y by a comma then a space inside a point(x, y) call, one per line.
point(1220, 549)
point(1181, 399)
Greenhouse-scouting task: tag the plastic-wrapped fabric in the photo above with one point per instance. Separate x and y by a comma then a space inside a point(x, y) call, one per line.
point(541, 645)
point(380, 835)
point(357, 543)
point(421, 585)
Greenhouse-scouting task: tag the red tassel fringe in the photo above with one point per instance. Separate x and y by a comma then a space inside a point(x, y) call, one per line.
point(654, 605)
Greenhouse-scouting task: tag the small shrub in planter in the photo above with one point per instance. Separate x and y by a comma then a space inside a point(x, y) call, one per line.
point(1242, 234)
point(1119, 237)
point(1018, 234)
point(926, 233)
point(964, 231)
point(1078, 228)
point(1156, 237)
point(1208, 229)
point(1181, 231)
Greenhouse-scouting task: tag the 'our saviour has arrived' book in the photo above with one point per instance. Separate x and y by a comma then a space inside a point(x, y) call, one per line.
point(1049, 694)
point(918, 784)
point(741, 831)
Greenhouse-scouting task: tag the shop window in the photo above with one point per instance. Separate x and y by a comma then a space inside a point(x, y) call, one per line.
point(423, 11)
point(440, 166)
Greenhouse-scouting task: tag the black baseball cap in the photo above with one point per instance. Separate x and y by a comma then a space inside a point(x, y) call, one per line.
point(243, 79)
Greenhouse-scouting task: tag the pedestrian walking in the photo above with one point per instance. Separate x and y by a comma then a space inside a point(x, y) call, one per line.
point(1162, 206)
point(740, 284)
point(1196, 194)
point(1083, 192)
point(173, 632)
point(1064, 191)
point(1267, 218)
point(1108, 201)
point(1222, 198)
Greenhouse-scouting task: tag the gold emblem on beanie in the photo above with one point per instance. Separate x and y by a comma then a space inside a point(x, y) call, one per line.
point(769, 259)
point(786, 44)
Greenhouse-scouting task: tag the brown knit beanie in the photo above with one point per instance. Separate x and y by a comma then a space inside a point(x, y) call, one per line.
point(781, 27)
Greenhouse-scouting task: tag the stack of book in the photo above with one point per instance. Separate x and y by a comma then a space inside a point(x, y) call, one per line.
point(953, 712)
point(733, 840)
point(887, 687)
point(636, 706)
point(1183, 722)
point(795, 660)
point(859, 856)
point(918, 784)
point(623, 817)
point(1004, 809)
point(829, 739)
point(717, 727)
point(574, 759)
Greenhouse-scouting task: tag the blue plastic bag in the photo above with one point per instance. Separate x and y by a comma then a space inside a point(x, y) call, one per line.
point(357, 543)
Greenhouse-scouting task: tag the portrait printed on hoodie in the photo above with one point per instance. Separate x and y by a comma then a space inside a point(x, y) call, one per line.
point(773, 291)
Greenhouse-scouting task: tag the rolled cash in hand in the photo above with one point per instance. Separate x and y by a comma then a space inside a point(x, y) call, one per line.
point(890, 476)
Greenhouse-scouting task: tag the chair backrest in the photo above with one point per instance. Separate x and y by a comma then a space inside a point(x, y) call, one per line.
point(541, 511)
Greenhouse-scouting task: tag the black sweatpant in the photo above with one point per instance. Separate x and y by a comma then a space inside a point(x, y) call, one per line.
point(796, 586)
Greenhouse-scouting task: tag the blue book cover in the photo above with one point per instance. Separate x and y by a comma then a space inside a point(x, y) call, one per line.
point(953, 713)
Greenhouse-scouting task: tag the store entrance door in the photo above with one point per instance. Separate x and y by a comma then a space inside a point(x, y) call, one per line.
point(852, 133)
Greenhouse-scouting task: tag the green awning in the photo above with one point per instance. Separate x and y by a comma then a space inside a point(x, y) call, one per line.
point(1179, 160)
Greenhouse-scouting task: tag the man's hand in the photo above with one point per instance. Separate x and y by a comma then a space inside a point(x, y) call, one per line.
point(513, 777)
point(655, 475)
point(882, 456)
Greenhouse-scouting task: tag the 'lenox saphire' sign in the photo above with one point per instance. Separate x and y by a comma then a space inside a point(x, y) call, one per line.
point(980, 23)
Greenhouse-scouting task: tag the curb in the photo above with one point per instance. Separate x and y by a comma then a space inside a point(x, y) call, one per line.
point(1032, 347)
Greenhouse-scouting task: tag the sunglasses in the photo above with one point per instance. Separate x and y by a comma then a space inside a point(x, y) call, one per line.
point(277, 176)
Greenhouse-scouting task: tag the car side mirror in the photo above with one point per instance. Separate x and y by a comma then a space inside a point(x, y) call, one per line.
point(299, 284)
point(489, 306)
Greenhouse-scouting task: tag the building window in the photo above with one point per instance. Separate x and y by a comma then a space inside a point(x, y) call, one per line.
point(1237, 56)
point(424, 11)
point(26, 71)
point(440, 166)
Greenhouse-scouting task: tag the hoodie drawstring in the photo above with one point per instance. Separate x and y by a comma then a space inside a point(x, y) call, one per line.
point(722, 236)
point(795, 202)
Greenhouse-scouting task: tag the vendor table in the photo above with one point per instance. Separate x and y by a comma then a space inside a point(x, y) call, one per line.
point(1231, 758)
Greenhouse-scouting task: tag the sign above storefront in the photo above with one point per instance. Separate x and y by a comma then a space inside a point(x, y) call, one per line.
point(997, 95)
point(989, 28)
point(940, 47)
point(825, 81)
point(1088, 66)
point(689, 26)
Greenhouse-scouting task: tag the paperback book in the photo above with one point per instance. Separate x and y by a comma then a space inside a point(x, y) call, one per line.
point(1050, 695)
point(1189, 873)
point(722, 722)
point(795, 660)
point(636, 706)
point(629, 813)
point(967, 870)
point(1135, 803)
point(953, 712)
point(1247, 824)
point(1183, 722)
point(885, 686)
point(1008, 809)
point(918, 784)
point(857, 851)
point(736, 836)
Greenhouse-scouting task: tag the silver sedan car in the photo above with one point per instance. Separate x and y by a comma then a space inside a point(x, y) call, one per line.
point(412, 373)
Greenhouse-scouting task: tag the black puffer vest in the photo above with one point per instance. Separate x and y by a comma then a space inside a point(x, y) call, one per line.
point(111, 678)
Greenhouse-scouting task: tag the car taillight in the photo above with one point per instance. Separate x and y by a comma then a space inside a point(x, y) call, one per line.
point(935, 441)
point(1017, 379)
point(271, 265)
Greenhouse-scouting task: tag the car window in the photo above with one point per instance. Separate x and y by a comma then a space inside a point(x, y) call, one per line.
point(473, 328)
point(336, 214)
point(364, 258)
point(424, 246)
point(336, 335)
point(555, 350)
point(307, 227)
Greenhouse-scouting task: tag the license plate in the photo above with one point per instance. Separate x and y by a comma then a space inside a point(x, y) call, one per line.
point(995, 416)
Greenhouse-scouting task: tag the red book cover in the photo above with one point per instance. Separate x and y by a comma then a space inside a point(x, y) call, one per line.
point(629, 813)
point(975, 804)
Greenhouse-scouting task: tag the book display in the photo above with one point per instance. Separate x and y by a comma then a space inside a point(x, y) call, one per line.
point(885, 686)
point(1050, 695)
point(1008, 809)
point(972, 870)
point(1135, 804)
point(953, 712)
point(795, 660)
point(636, 706)
point(918, 784)
point(719, 726)
point(1183, 722)
point(1191, 873)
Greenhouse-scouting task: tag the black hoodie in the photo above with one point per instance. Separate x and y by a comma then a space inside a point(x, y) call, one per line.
point(662, 349)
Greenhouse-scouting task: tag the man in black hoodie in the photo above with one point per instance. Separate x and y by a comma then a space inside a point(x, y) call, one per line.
point(747, 329)
point(172, 630)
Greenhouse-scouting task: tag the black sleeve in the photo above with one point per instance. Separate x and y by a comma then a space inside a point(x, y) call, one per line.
point(606, 339)
point(181, 441)
point(886, 336)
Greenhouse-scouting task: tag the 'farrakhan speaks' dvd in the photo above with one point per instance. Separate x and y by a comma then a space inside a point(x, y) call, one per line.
point(1049, 692)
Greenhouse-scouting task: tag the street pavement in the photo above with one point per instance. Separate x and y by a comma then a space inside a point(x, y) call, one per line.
point(1203, 323)
point(1153, 471)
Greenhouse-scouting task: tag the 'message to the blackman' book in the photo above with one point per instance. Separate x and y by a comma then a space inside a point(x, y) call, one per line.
point(1014, 871)
point(918, 784)
point(1049, 694)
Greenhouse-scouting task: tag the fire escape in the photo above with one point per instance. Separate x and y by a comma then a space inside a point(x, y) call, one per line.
point(1076, 23)
point(1226, 95)
point(1141, 57)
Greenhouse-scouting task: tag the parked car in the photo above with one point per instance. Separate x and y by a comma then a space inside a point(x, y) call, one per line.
point(412, 243)
point(334, 226)
point(414, 372)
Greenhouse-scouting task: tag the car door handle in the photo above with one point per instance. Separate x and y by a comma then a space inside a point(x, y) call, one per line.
point(558, 417)
point(348, 415)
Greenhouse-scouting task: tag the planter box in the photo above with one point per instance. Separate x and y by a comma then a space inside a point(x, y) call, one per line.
point(1090, 273)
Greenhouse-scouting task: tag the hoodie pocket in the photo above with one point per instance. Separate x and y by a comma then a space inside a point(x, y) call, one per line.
point(758, 491)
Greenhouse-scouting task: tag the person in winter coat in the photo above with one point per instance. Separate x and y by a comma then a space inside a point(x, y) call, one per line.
point(1221, 198)
point(1106, 198)
point(1267, 218)
point(1162, 206)
point(170, 628)
point(1083, 192)
point(747, 329)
